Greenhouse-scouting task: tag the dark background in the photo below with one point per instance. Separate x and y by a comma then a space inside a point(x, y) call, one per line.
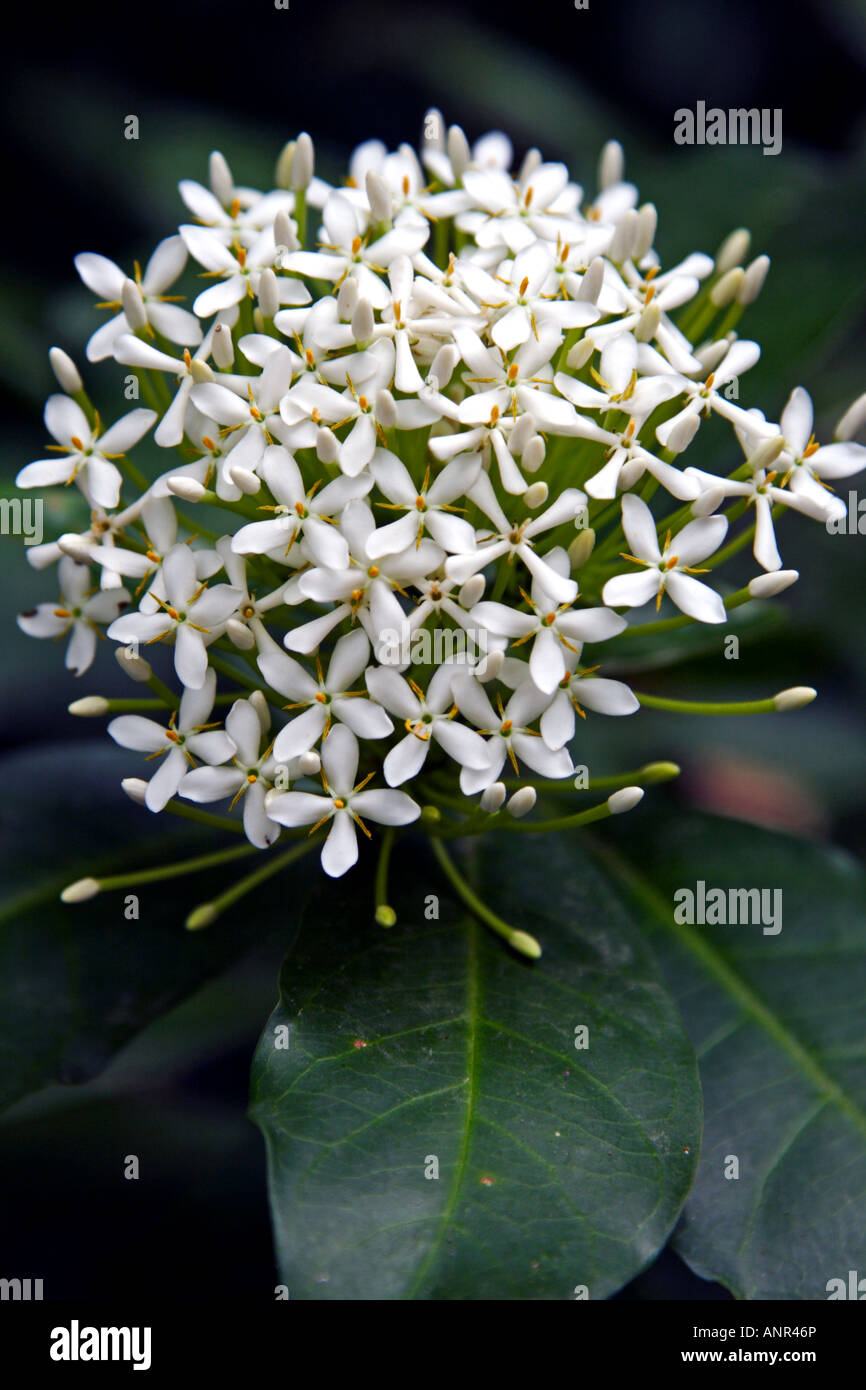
point(244, 77)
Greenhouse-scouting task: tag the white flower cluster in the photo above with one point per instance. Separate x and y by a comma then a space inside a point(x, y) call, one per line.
point(470, 380)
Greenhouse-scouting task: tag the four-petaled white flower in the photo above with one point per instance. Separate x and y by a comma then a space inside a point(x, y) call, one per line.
point(670, 569)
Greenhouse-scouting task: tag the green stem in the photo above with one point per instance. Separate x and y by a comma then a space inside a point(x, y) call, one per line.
point(385, 914)
point(521, 941)
point(177, 870)
point(205, 913)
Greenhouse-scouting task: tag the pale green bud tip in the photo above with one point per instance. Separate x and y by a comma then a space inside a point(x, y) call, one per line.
point(795, 698)
point(431, 814)
point(624, 800)
point(89, 707)
point(525, 944)
point(80, 890)
point(775, 582)
point(660, 772)
point(733, 250)
point(728, 287)
point(385, 916)
point(66, 371)
point(186, 488)
point(201, 916)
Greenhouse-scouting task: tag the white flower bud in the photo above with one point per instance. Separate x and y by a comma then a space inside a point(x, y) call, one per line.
point(611, 164)
point(493, 798)
point(767, 452)
point(347, 298)
point(66, 371)
point(728, 287)
point(386, 409)
point(733, 250)
point(135, 788)
point(623, 242)
point(794, 698)
point(200, 372)
point(852, 421)
point(531, 161)
point(76, 547)
point(186, 488)
point(378, 196)
point(89, 707)
point(327, 445)
point(683, 433)
point(472, 591)
point(240, 634)
point(581, 547)
point(492, 666)
point(624, 800)
point(220, 178)
point(284, 236)
point(80, 891)
point(310, 763)
point(648, 324)
point(768, 585)
point(133, 305)
point(442, 367)
point(522, 802)
point(135, 666)
point(222, 346)
point(248, 482)
point(459, 152)
point(269, 294)
point(533, 454)
point(753, 281)
point(283, 170)
point(536, 495)
point(521, 433)
point(590, 285)
point(647, 222)
point(363, 322)
point(258, 320)
point(434, 128)
point(580, 354)
point(303, 162)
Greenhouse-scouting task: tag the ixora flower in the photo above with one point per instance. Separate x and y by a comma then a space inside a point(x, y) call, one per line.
point(432, 437)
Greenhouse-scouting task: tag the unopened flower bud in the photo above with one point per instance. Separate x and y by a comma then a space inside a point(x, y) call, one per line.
point(385, 915)
point(442, 366)
point(521, 433)
point(472, 591)
point(852, 421)
point(753, 280)
point(531, 160)
point(459, 152)
point(136, 789)
point(536, 495)
point(590, 285)
point(310, 764)
point(363, 322)
point(767, 452)
point(708, 501)
point(347, 298)
point(647, 222)
point(533, 454)
point(683, 433)
point(202, 916)
point(611, 164)
point(493, 798)
point(522, 802)
point(624, 800)
point(283, 170)
point(89, 707)
point(80, 890)
point(581, 547)
point(135, 666)
point(728, 287)
point(710, 354)
point(285, 237)
point(768, 585)
point(303, 162)
point(65, 370)
point(648, 324)
point(733, 250)
point(378, 196)
point(248, 482)
point(186, 488)
point(222, 346)
point(660, 772)
point(200, 372)
point(133, 305)
point(623, 241)
point(269, 293)
point(579, 355)
point(434, 129)
point(220, 178)
point(794, 698)
point(260, 705)
point(75, 546)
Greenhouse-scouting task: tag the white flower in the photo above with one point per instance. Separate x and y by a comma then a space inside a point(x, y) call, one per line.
point(107, 280)
point(346, 251)
point(508, 733)
point(186, 737)
point(429, 507)
point(297, 513)
point(79, 612)
point(519, 298)
point(190, 613)
point(326, 699)
point(238, 272)
point(344, 804)
point(425, 718)
point(251, 775)
point(578, 688)
point(808, 465)
point(541, 203)
point(89, 458)
point(669, 570)
point(551, 627)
